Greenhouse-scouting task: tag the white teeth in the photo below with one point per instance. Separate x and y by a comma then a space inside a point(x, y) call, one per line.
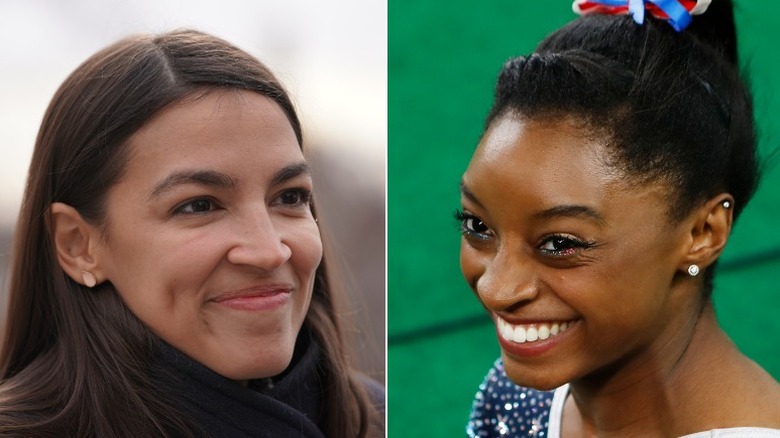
point(530, 332)
point(519, 334)
point(505, 329)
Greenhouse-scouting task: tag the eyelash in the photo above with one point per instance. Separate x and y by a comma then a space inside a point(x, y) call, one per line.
point(572, 244)
point(462, 218)
point(303, 198)
point(184, 206)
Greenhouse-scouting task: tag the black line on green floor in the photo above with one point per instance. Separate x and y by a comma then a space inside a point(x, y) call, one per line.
point(470, 321)
point(439, 328)
point(750, 260)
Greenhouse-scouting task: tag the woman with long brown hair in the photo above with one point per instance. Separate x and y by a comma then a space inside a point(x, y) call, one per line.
point(167, 277)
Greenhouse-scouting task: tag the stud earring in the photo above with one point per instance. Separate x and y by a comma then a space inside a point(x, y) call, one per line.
point(693, 270)
point(89, 279)
point(726, 204)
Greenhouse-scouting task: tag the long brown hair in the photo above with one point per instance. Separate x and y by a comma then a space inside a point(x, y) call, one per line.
point(73, 359)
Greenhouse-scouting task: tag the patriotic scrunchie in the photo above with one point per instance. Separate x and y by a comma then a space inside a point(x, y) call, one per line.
point(677, 12)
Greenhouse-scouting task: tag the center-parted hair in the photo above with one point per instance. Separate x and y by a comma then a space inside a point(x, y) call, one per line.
point(74, 360)
point(671, 105)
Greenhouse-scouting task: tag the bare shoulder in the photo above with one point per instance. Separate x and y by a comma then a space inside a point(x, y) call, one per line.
point(769, 399)
point(733, 392)
point(756, 397)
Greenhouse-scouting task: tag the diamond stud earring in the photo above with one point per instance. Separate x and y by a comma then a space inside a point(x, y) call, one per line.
point(693, 270)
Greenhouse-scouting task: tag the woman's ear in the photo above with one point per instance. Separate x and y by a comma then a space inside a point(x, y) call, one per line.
point(709, 231)
point(75, 241)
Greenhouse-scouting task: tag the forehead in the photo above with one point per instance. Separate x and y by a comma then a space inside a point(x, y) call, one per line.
point(556, 160)
point(227, 130)
point(215, 117)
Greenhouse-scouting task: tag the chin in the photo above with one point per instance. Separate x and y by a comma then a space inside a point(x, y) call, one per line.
point(541, 378)
point(267, 366)
point(260, 359)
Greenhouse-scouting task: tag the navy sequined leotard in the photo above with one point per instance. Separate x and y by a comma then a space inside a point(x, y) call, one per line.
point(503, 409)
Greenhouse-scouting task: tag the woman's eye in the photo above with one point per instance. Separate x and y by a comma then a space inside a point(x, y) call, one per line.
point(294, 198)
point(472, 226)
point(196, 206)
point(562, 245)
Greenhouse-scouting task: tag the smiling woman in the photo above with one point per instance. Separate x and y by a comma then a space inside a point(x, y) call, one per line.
point(210, 240)
point(614, 162)
point(168, 276)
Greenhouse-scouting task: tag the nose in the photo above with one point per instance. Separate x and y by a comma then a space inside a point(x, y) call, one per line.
point(509, 279)
point(258, 242)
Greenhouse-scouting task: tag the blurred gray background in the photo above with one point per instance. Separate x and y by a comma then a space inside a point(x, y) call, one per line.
point(332, 56)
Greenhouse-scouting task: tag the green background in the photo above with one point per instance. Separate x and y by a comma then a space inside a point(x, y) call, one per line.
point(443, 61)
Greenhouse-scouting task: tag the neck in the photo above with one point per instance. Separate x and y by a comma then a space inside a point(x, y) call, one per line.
point(648, 392)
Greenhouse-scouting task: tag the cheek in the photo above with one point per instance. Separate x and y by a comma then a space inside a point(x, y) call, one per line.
point(306, 246)
point(156, 266)
point(623, 292)
point(643, 268)
point(472, 264)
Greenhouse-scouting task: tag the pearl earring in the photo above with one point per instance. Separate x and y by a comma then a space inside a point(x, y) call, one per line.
point(89, 279)
point(726, 204)
point(693, 270)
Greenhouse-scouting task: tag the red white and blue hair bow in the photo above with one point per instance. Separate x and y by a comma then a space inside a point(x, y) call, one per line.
point(677, 12)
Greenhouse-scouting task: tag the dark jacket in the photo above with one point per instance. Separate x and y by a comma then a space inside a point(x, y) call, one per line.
point(290, 405)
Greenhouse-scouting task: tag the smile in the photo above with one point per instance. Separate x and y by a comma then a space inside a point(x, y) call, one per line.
point(525, 333)
point(260, 298)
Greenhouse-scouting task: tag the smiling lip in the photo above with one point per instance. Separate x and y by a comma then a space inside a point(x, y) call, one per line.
point(257, 298)
point(532, 338)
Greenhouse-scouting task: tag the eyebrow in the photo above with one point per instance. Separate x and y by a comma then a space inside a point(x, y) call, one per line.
point(289, 172)
point(573, 211)
point(559, 211)
point(219, 180)
point(468, 194)
point(208, 178)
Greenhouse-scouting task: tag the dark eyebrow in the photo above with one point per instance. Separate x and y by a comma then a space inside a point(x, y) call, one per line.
point(289, 172)
point(467, 193)
point(200, 177)
point(220, 180)
point(574, 211)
